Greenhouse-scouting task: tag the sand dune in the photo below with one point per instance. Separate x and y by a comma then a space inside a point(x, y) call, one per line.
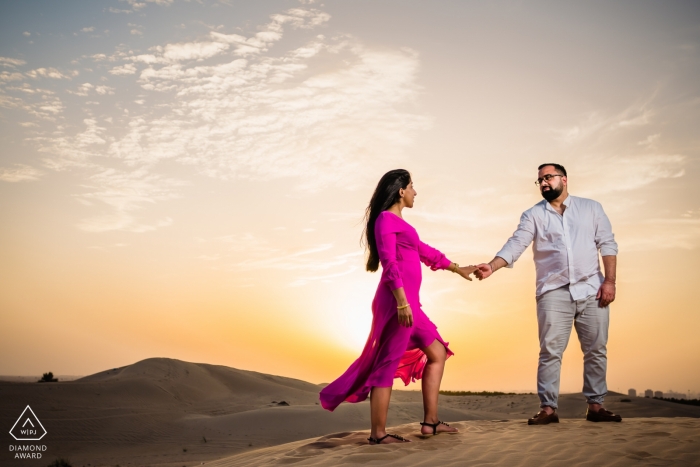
point(637, 441)
point(163, 412)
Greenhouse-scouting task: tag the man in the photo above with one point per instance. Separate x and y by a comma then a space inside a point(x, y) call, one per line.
point(566, 232)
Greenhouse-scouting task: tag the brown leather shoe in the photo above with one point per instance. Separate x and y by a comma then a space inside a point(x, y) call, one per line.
point(602, 415)
point(542, 418)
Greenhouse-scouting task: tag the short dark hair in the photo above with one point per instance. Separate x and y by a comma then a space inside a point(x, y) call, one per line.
point(559, 168)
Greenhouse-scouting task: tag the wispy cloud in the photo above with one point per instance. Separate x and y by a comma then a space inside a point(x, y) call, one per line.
point(321, 113)
point(597, 124)
point(138, 5)
point(611, 158)
point(36, 102)
point(662, 234)
point(127, 69)
point(117, 10)
point(19, 173)
point(125, 193)
point(311, 264)
point(650, 141)
point(86, 89)
point(11, 62)
point(52, 73)
point(605, 174)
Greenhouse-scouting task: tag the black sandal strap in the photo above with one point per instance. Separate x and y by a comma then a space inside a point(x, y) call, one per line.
point(379, 440)
point(434, 425)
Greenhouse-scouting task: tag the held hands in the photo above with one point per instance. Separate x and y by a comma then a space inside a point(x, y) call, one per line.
point(465, 271)
point(606, 294)
point(483, 271)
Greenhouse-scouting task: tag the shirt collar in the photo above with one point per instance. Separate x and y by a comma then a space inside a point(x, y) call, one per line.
point(566, 202)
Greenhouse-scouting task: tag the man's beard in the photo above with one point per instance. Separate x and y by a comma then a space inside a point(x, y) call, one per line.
point(552, 193)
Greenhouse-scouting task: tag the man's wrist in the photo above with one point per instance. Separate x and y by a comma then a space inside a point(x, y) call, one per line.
point(609, 281)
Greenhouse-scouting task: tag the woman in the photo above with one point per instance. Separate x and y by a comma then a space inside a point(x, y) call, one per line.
point(403, 342)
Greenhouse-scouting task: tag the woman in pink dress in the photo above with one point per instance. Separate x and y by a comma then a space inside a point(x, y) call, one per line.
point(403, 342)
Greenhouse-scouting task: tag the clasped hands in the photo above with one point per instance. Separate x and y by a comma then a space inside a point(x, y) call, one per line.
point(481, 271)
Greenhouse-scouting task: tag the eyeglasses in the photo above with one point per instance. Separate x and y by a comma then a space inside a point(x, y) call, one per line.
point(546, 178)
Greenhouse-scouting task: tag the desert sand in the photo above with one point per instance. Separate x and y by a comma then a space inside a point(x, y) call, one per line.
point(164, 412)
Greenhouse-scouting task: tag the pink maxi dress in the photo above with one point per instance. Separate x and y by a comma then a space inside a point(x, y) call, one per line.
point(392, 351)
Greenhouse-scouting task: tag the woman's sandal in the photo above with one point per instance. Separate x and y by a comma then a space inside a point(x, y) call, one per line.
point(434, 427)
point(379, 440)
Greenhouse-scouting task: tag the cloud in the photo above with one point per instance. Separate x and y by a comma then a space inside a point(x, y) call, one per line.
point(86, 88)
point(116, 10)
point(20, 173)
point(120, 221)
point(125, 193)
point(605, 174)
point(319, 128)
point(52, 73)
point(303, 280)
point(157, 2)
point(325, 111)
point(308, 264)
point(40, 103)
point(11, 62)
point(136, 32)
point(606, 152)
point(5, 76)
point(128, 69)
point(193, 51)
point(141, 4)
point(662, 234)
point(650, 140)
point(597, 124)
point(26, 33)
point(90, 29)
point(75, 151)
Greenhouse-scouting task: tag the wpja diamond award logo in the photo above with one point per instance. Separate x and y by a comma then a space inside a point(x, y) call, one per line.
point(28, 428)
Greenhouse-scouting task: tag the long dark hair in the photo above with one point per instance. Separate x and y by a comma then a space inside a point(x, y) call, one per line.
point(385, 196)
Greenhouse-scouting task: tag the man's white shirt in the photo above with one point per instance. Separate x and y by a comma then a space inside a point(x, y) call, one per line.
point(565, 246)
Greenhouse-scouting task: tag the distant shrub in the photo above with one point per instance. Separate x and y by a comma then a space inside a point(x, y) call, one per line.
point(60, 463)
point(625, 400)
point(695, 402)
point(48, 378)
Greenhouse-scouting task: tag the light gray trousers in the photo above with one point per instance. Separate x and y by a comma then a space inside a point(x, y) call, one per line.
point(556, 312)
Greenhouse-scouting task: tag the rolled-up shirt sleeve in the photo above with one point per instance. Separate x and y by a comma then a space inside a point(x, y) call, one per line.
point(385, 237)
point(432, 257)
point(521, 239)
point(604, 237)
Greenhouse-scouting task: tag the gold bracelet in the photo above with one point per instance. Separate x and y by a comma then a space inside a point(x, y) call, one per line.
point(402, 307)
point(455, 268)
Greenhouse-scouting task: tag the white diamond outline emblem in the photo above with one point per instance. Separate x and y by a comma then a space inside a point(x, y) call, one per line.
point(37, 420)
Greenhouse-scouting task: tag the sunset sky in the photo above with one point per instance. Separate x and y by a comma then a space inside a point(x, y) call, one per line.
point(188, 179)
